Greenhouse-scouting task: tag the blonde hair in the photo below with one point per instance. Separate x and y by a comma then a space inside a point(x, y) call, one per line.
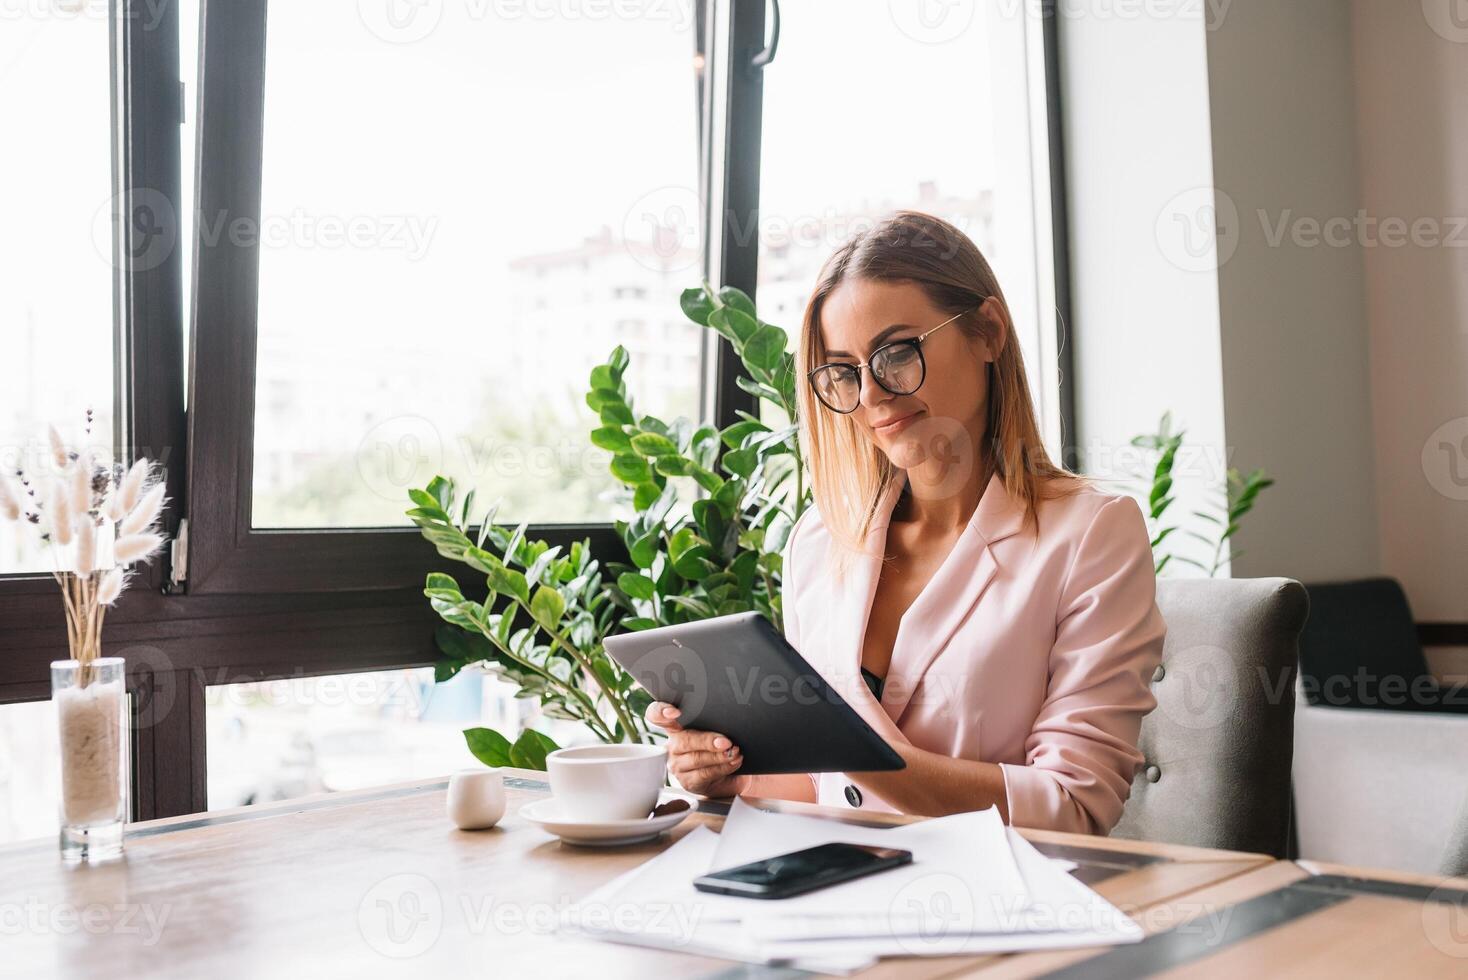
point(849, 474)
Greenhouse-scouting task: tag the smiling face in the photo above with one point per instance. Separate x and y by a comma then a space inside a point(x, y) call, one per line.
point(861, 315)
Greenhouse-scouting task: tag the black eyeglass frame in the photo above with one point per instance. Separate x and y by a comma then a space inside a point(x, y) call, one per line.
point(916, 343)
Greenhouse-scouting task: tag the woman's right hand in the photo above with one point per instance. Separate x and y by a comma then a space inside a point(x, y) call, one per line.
point(705, 763)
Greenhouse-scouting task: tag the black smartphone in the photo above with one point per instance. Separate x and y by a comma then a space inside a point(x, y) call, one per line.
point(803, 871)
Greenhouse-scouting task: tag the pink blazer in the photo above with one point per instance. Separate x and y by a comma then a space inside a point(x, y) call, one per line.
point(1030, 649)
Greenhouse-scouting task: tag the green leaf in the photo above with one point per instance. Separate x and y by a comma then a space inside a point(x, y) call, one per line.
point(603, 376)
point(616, 414)
point(601, 398)
point(1162, 536)
point(652, 444)
point(645, 495)
point(734, 325)
point(530, 750)
point(619, 359)
point(439, 582)
point(612, 439)
point(1159, 490)
point(644, 550)
point(444, 670)
point(697, 305)
point(727, 496)
point(638, 623)
point(488, 746)
point(707, 479)
point(637, 586)
point(757, 389)
point(703, 446)
point(672, 466)
point(735, 434)
point(740, 462)
point(548, 607)
point(631, 470)
point(442, 491)
point(457, 644)
point(765, 349)
point(736, 298)
point(698, 607)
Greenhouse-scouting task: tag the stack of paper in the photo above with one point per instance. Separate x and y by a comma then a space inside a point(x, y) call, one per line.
point(973, 886)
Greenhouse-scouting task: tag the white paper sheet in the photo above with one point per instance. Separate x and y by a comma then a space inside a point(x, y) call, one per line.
point(974, 887)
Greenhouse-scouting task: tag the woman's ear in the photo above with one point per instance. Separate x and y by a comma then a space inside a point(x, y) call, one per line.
point(995, 320)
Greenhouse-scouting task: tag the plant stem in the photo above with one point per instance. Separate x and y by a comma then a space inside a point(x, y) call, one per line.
point(613, 697)
point(593, 719)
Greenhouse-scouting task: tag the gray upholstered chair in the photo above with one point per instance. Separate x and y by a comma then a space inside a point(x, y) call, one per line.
point(1218, 747)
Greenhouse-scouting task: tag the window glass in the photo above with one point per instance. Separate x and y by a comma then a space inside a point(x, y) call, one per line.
point(276, 740)
point(921, 106)
point(479, 205)
point(56, 260)
point(30, 771)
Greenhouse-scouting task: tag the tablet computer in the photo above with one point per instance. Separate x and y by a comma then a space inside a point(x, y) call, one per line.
point(737, 675)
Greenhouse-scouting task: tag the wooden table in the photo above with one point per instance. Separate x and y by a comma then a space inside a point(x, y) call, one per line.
point(378, 881)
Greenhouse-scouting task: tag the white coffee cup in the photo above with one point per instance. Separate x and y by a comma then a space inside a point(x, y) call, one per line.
point(476, 798)
point(607, 782)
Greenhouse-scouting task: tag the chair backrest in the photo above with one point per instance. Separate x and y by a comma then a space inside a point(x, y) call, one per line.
point(1359, 635)
point(1219, 744)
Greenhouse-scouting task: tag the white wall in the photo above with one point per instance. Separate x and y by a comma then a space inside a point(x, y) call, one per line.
point(1412, 84)
point(1145, 294)
point(1298, 336)
point(1296, 362)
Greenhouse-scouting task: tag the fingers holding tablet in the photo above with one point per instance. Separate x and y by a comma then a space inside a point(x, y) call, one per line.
point(662, 715)
point(703, 762)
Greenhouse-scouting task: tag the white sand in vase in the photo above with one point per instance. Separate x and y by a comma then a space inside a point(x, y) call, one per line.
point(90, 724)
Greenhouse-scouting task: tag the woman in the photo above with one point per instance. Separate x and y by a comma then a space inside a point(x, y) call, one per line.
point(991, 615)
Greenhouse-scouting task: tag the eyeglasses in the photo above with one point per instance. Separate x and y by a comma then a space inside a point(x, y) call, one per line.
point(897, 367)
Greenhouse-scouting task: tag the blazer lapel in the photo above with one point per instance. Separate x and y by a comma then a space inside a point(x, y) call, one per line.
point(948, 598)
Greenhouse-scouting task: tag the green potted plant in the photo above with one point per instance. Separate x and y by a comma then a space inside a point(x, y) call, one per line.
point(1233, 500)
point(546, 613)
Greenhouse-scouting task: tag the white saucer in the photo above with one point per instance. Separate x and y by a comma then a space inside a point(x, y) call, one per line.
point(546, 814)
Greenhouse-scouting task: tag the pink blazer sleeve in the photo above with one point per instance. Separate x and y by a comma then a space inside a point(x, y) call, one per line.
point(1081, 756)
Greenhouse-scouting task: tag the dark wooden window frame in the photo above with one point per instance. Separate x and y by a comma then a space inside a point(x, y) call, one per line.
point(262, 604)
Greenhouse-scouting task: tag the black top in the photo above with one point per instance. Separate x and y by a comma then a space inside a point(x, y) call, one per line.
point(874, 683)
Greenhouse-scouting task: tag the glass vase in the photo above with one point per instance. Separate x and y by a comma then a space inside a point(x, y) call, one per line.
point(92, 724)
